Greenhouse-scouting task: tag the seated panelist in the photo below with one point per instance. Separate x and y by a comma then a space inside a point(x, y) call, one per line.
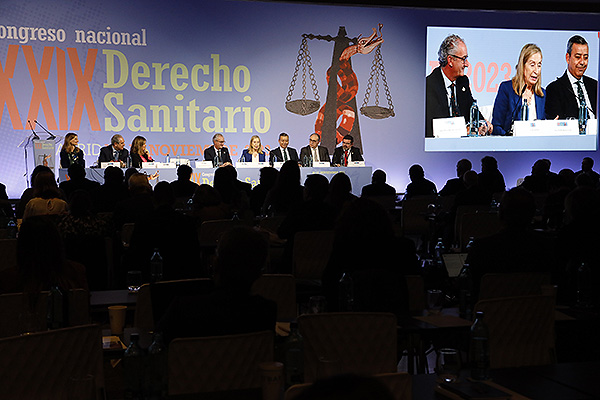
point(283, 153)
point(218, 153)
point(254, 153)
point(139, 153)
point(71, 154)
point(525, 86)
point(115, 151)
point(346, 153)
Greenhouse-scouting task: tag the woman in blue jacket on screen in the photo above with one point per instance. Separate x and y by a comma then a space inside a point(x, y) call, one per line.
point(525, 86)
point(254, 152)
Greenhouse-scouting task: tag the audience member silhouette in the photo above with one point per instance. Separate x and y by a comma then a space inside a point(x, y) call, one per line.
point(541, 179)
point(6, 210)
point(28, 193)
point(490, 178)
point(235, 198)
point(366, 248)
point(287, 191)
point(47, 199)
point(473, 194)
point(184, 187)
point(517, 247)
point(577, 241)
point(41, 261)
point(112, 191)
point(313, 214)
point(419, 186)
point(77, 181)
point(208, 206)
point(456, 185)
point(340, 191)
point(85, 234)
point(268, 177)
point(586, 169)
point(172, 233)
point(378, 186)
point(139, 205)
point(230, 309)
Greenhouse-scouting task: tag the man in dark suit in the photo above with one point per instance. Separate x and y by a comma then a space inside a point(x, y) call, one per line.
point(115, 151)
point(563, 95)
point(217, 153)
point(448, 91)
point(313, 151)
point(283, 153)
point(346, 153)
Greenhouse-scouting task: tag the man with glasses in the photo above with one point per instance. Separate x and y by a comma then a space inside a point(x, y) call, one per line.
point(218, 153)
point(313, 152)
point(448, 90)
point(115, 151)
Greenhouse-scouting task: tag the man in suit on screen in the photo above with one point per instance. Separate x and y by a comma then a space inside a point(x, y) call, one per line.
point(564, 95)
point(448, 90)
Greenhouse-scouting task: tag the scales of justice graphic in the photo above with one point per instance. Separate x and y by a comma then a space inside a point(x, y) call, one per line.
point(341, 91)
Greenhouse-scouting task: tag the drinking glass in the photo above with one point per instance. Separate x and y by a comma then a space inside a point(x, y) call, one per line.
point(435, 299)
point(134, 281)
point(448, 365)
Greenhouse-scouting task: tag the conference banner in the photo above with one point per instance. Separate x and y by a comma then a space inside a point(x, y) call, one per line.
point(179, 72)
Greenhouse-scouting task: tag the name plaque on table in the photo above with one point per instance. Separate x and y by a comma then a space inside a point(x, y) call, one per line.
point(453, 127)
point(180, 161)
point(151, 164)
point(165, 165)
point(204, 164)
point(547, 127)
point(277, 164)
point(356, 164)
point(110, 164)
point(245, 164)
point(321, 164)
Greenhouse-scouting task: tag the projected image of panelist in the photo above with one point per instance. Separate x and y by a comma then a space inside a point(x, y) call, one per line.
point(283, 153)
point(218, 153)
point(522, 98)
point(448, 89)
point(346, 153)
point(254, 153)
point(71, 154)
point(573, 89)
point(115, 151)
point(139, 153)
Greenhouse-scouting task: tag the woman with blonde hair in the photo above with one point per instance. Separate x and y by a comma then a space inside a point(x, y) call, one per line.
point(254, 153)
point(139, 153)
point(525, 88)
point(71, 154)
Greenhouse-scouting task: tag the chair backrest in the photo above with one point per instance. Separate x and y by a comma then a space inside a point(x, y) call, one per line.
point(388, 202)
point(24, 312)
point(521, 330)
point(512, 284)
point(143, 318)
point(363, 343)
point(210, 232)
point(218, 363)
point(8, 253)
point(416, 294)
point(414, 220)
point(476, 225)
point(399, 384)
point(44, 365)
point(466, 209)
point(311, 253)
point(163, 293)
point(280, 288)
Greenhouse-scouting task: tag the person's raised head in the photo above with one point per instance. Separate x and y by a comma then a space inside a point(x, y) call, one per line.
point(184, 172)
point(577, 56)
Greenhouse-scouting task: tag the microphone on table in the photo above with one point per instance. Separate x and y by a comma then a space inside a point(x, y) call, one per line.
point(514, 115)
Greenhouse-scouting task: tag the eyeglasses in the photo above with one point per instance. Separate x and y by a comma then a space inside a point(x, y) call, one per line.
point(463, 59)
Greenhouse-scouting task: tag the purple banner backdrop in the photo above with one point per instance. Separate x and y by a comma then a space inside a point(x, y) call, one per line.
point(178, 72)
